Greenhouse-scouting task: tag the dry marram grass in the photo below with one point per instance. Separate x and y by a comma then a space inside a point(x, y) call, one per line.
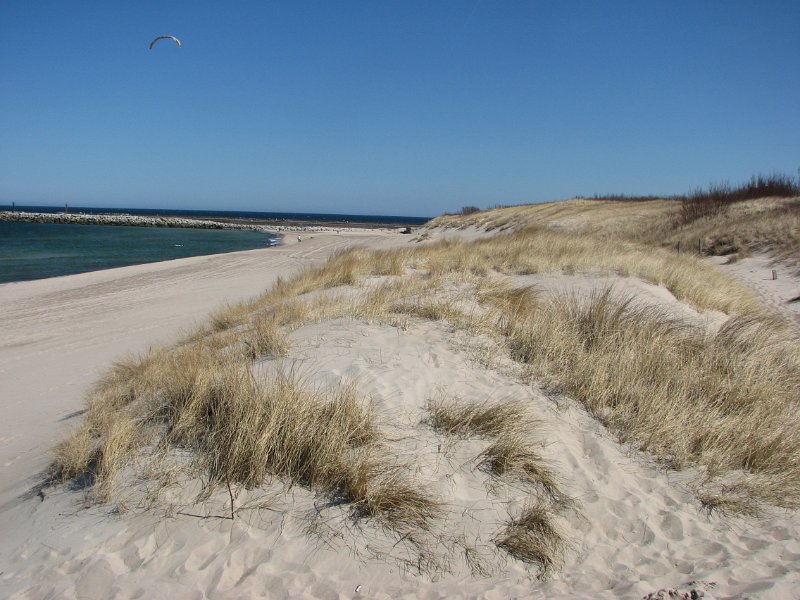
point(771, 224)
point(534, 537)
point(242, 432)
point(726, 400)
point(451, 416)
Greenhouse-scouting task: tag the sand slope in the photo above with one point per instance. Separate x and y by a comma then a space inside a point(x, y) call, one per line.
point(637, 529)
point(780, 295)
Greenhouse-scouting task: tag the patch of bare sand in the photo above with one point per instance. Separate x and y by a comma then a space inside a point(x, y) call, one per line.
point(780, 294)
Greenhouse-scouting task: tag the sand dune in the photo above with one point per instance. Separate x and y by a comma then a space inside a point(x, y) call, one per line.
point(637, 527)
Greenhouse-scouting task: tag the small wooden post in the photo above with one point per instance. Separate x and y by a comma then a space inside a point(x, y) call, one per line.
point(774, 274)
point(679, 247)
point(700, 246)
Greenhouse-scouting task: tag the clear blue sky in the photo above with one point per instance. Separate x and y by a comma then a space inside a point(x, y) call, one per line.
point(381, 107)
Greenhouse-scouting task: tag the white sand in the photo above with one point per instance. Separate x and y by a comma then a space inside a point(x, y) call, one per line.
point(639, 528)
point(777, 294)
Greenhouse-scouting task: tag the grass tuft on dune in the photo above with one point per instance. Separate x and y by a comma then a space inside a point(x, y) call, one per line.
point(512, 455)
point(534, 537)
point(242, 432)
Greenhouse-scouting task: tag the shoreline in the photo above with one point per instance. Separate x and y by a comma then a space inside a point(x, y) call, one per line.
point(280, 235)
point(71, 326)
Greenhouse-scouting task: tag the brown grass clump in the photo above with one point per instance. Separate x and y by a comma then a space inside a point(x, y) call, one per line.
point(229, 317)
point(452, 417)
point(380, 302)
point(241, 432)
point(381, 490)
point(114, 454)
point(346, 267)
point(432, 310)
point(252, 432)
point(265, 338)
point(534, 537)
point(512, 455)
point(76, 455)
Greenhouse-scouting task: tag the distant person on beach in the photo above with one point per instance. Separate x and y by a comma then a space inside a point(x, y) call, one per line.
point(299, 239)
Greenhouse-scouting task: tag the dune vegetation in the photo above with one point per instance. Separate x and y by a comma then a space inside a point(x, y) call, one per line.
point(722, 401)
point(762, 214)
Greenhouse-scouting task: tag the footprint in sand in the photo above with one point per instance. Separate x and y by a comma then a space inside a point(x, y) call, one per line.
point(672, 527)
point(96, 581)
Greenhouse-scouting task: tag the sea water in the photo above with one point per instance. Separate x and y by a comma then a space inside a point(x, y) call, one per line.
point(38, 250)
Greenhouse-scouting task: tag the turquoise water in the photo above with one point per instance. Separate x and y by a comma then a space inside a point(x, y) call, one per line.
point(38, 250)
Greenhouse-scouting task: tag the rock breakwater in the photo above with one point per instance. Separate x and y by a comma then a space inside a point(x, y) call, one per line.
point(150, 221)
point(124, 220)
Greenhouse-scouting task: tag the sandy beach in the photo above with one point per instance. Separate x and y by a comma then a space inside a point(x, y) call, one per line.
point(638, 528)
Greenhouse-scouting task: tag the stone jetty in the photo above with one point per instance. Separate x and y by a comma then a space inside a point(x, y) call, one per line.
point(123, 219)
point(154, 221)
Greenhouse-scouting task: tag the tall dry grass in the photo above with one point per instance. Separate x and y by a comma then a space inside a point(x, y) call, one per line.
point(673, 375)
point(730, 393)
point(579, 215)
point(452, 417)
point(241, 432)
point(540, 250)
point(724, 400)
